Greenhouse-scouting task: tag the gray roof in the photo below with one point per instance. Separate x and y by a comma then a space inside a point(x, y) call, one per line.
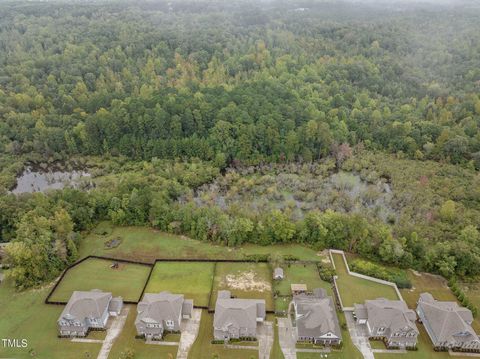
point(83, 305)
point(316, 315)
point(156, 307)
point(115, 304)
point(393, 314)
point(187, 307)
point(447, 320)
point(278, 272)
point(239, 313)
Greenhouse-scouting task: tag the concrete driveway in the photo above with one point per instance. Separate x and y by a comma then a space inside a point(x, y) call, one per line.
point(113, 332)
point(265, 340)
point(189, 334)
point(359, 336)
point(286, 338)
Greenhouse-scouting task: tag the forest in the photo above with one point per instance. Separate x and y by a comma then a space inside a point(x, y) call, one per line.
point(183, 110)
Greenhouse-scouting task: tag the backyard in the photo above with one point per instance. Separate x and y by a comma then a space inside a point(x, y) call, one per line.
point(193, 279)
point(244, 280)
point(126, 281)
point(356, 290)
point(300, 274)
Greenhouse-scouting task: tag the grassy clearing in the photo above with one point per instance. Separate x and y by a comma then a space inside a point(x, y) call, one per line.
point(301, 274)
point(24, 315)
point(127, 341)
point(244, 280)
point(126, 281)
point(147, 244)
point(357, 290)
point(204, 349)
point(193, 279)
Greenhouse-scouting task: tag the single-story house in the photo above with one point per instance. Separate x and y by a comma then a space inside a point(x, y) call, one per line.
point(160, 312)
point(389, 320)
point(278, 273)
point(298, 289)
point(237, 318)
point(448, 325)
point(88, 310)
point(316, 320)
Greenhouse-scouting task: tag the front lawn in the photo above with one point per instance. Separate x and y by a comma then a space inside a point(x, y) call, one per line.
point(25, 316)
point(193, 279)
point(357, 290)
point(204, 349)
point(126, 281)
point(244, 280)
point(126, 341)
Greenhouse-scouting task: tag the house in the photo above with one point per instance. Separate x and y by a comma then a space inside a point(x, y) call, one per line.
point(237, 318)
point(390, 321)
point(316, 320)
point(278, 273)
point(447, 324)
point(161, 312)
point(88, 310)
point(298, 289)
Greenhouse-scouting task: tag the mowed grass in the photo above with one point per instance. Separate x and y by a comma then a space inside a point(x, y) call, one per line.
point(126, 281)
point(244, 280)
point(300, 274)
point(25, 316)
point(357, 290)
point(147, 244)
point(126, 340)
point(204, 349)
point(192, 279)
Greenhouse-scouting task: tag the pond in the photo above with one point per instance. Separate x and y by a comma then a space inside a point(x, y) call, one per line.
point(31, 180)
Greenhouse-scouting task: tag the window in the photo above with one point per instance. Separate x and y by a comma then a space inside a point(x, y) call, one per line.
point(381, 330)
point(169, 323)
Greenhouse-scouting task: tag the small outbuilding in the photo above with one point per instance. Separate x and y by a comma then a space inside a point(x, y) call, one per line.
point(278, 273)
point(299, 289)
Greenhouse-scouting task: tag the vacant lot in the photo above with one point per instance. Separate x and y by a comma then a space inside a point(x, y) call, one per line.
point(24, 315)
point(204, 349)
point(193, 279)
point(357, 290)
point(126, 281)
point(303, 274)
point(244, 280)
point(127, 340)
point(147, 244)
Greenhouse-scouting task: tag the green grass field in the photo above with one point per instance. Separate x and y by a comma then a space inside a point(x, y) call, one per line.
point(147, 244)
point(126, 281)
point(204, 349)
point(24, 315)
point(127, 340)
point(302, 274)
point(193, 279)
point(244, 280)
point(357, 290)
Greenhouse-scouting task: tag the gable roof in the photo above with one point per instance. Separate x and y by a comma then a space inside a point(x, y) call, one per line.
point(83, 304)
point(239, 313)
point(278, 272)
point(447, 321)
point(392, 314)
point(316, 315)
point(157, 307)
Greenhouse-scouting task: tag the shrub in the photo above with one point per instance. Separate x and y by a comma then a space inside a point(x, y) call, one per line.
point(395, 275)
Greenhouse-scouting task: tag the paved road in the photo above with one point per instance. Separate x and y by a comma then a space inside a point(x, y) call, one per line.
point(265, 340)
point(113, 332)
point(359, 339)
point(286, 338)
point(189, 334)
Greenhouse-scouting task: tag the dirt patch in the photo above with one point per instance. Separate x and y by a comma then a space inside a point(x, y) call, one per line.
point(246, 281)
